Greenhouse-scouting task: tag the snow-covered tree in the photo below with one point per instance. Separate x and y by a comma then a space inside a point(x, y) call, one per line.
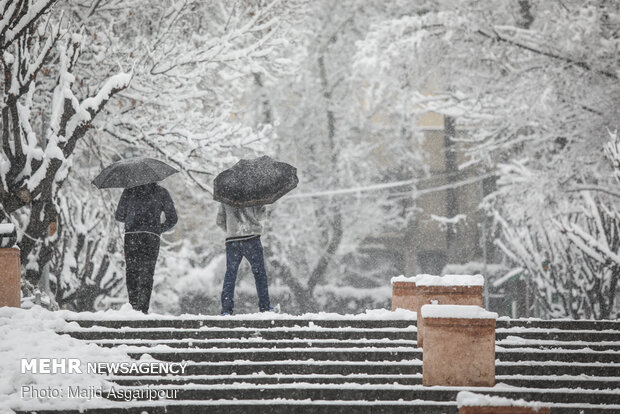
point(536, 83)
point(571, 260)
point(86, 261)
point(45, 113)
point(338, 140)
point(191, 63)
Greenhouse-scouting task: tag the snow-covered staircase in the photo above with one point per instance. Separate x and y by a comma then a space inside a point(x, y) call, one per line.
point(354, 365)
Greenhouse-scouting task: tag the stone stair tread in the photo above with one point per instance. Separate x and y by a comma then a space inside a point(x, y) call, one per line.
point(524, 355)
point(382, 367)
point(241, 329)
point(279, 405)
point(504, 322)
point(264, 344)
point(223, 334)
point(162, 349)
point(316, 364)
point(500, 388)
point(523, 381)
point(500, 349)
point(503, 345)
point(369, 392)
point(517, 329)
point(227, 323)
point(262, 375)
point(290, 407)
point(501, 322)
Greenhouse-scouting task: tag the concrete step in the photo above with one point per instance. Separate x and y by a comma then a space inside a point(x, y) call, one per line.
point(310, 407)
point(268, 334)
point(406, 367)
point(559, 324)
point(259, 342)
point(260, 378)
point(551, 345)
point(556, 368)
point(558, 335)
point(372, 392)
point(279, 321)
point(231, 323)
point(307, 367)
point(600, 383)
point(277, 406)
point(97, 333)
point(342, 365)
point(358, 354)
point(329, 343)
point(284, 354)
point(556, 355)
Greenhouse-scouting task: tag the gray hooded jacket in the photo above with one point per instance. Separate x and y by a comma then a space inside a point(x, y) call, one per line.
point(240, 222)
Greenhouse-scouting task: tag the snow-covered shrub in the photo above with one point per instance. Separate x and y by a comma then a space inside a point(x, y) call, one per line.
point(86, 262)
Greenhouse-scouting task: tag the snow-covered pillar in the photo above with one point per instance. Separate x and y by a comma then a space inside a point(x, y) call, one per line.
point(459, 346)
point(10, 268)
point(446, 290)
point(404, 293)
point(470, 403)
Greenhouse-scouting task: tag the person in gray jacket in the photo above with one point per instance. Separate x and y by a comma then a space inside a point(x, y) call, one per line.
point(243, 230)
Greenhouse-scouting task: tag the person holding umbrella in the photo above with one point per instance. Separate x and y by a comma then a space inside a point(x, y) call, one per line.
point(243, 230)
point(243, 191)
point(141, 207)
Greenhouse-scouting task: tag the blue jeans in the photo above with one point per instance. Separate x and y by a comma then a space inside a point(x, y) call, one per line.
point(252, 250)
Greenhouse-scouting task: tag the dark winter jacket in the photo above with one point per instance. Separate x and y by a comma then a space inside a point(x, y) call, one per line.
point(140, 209)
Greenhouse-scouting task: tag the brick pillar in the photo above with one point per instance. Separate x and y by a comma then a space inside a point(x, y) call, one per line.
point(446, 290)
point(10, 277)
point(458, 351)
point(404, 295)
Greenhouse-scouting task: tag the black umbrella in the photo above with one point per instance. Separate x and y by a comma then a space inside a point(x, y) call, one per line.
point(254, 182)
point(133, 172)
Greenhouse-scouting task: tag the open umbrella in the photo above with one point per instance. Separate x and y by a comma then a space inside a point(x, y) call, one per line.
point(133, 172)
point(254, 182)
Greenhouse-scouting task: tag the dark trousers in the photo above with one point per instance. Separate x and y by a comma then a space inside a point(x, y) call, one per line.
point(252, 250)
point(141, 251)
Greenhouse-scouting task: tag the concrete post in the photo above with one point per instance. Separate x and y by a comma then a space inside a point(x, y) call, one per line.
point(459, 346)
point(404, 293)
point(446, 290)
point(10, 277)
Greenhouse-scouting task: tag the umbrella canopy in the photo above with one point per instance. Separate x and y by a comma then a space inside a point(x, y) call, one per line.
point(254, 182)
point(133, 172)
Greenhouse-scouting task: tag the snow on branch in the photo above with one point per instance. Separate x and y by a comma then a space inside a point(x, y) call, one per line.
point(18, 16)
point(91, 106)
point(70, 119)
point(446, 223)
point(612, 152)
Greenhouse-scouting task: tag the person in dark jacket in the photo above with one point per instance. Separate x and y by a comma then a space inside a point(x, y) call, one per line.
point(140, 208)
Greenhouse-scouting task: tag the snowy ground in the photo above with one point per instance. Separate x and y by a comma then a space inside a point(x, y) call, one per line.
point(126, 313)
point(32, 334)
